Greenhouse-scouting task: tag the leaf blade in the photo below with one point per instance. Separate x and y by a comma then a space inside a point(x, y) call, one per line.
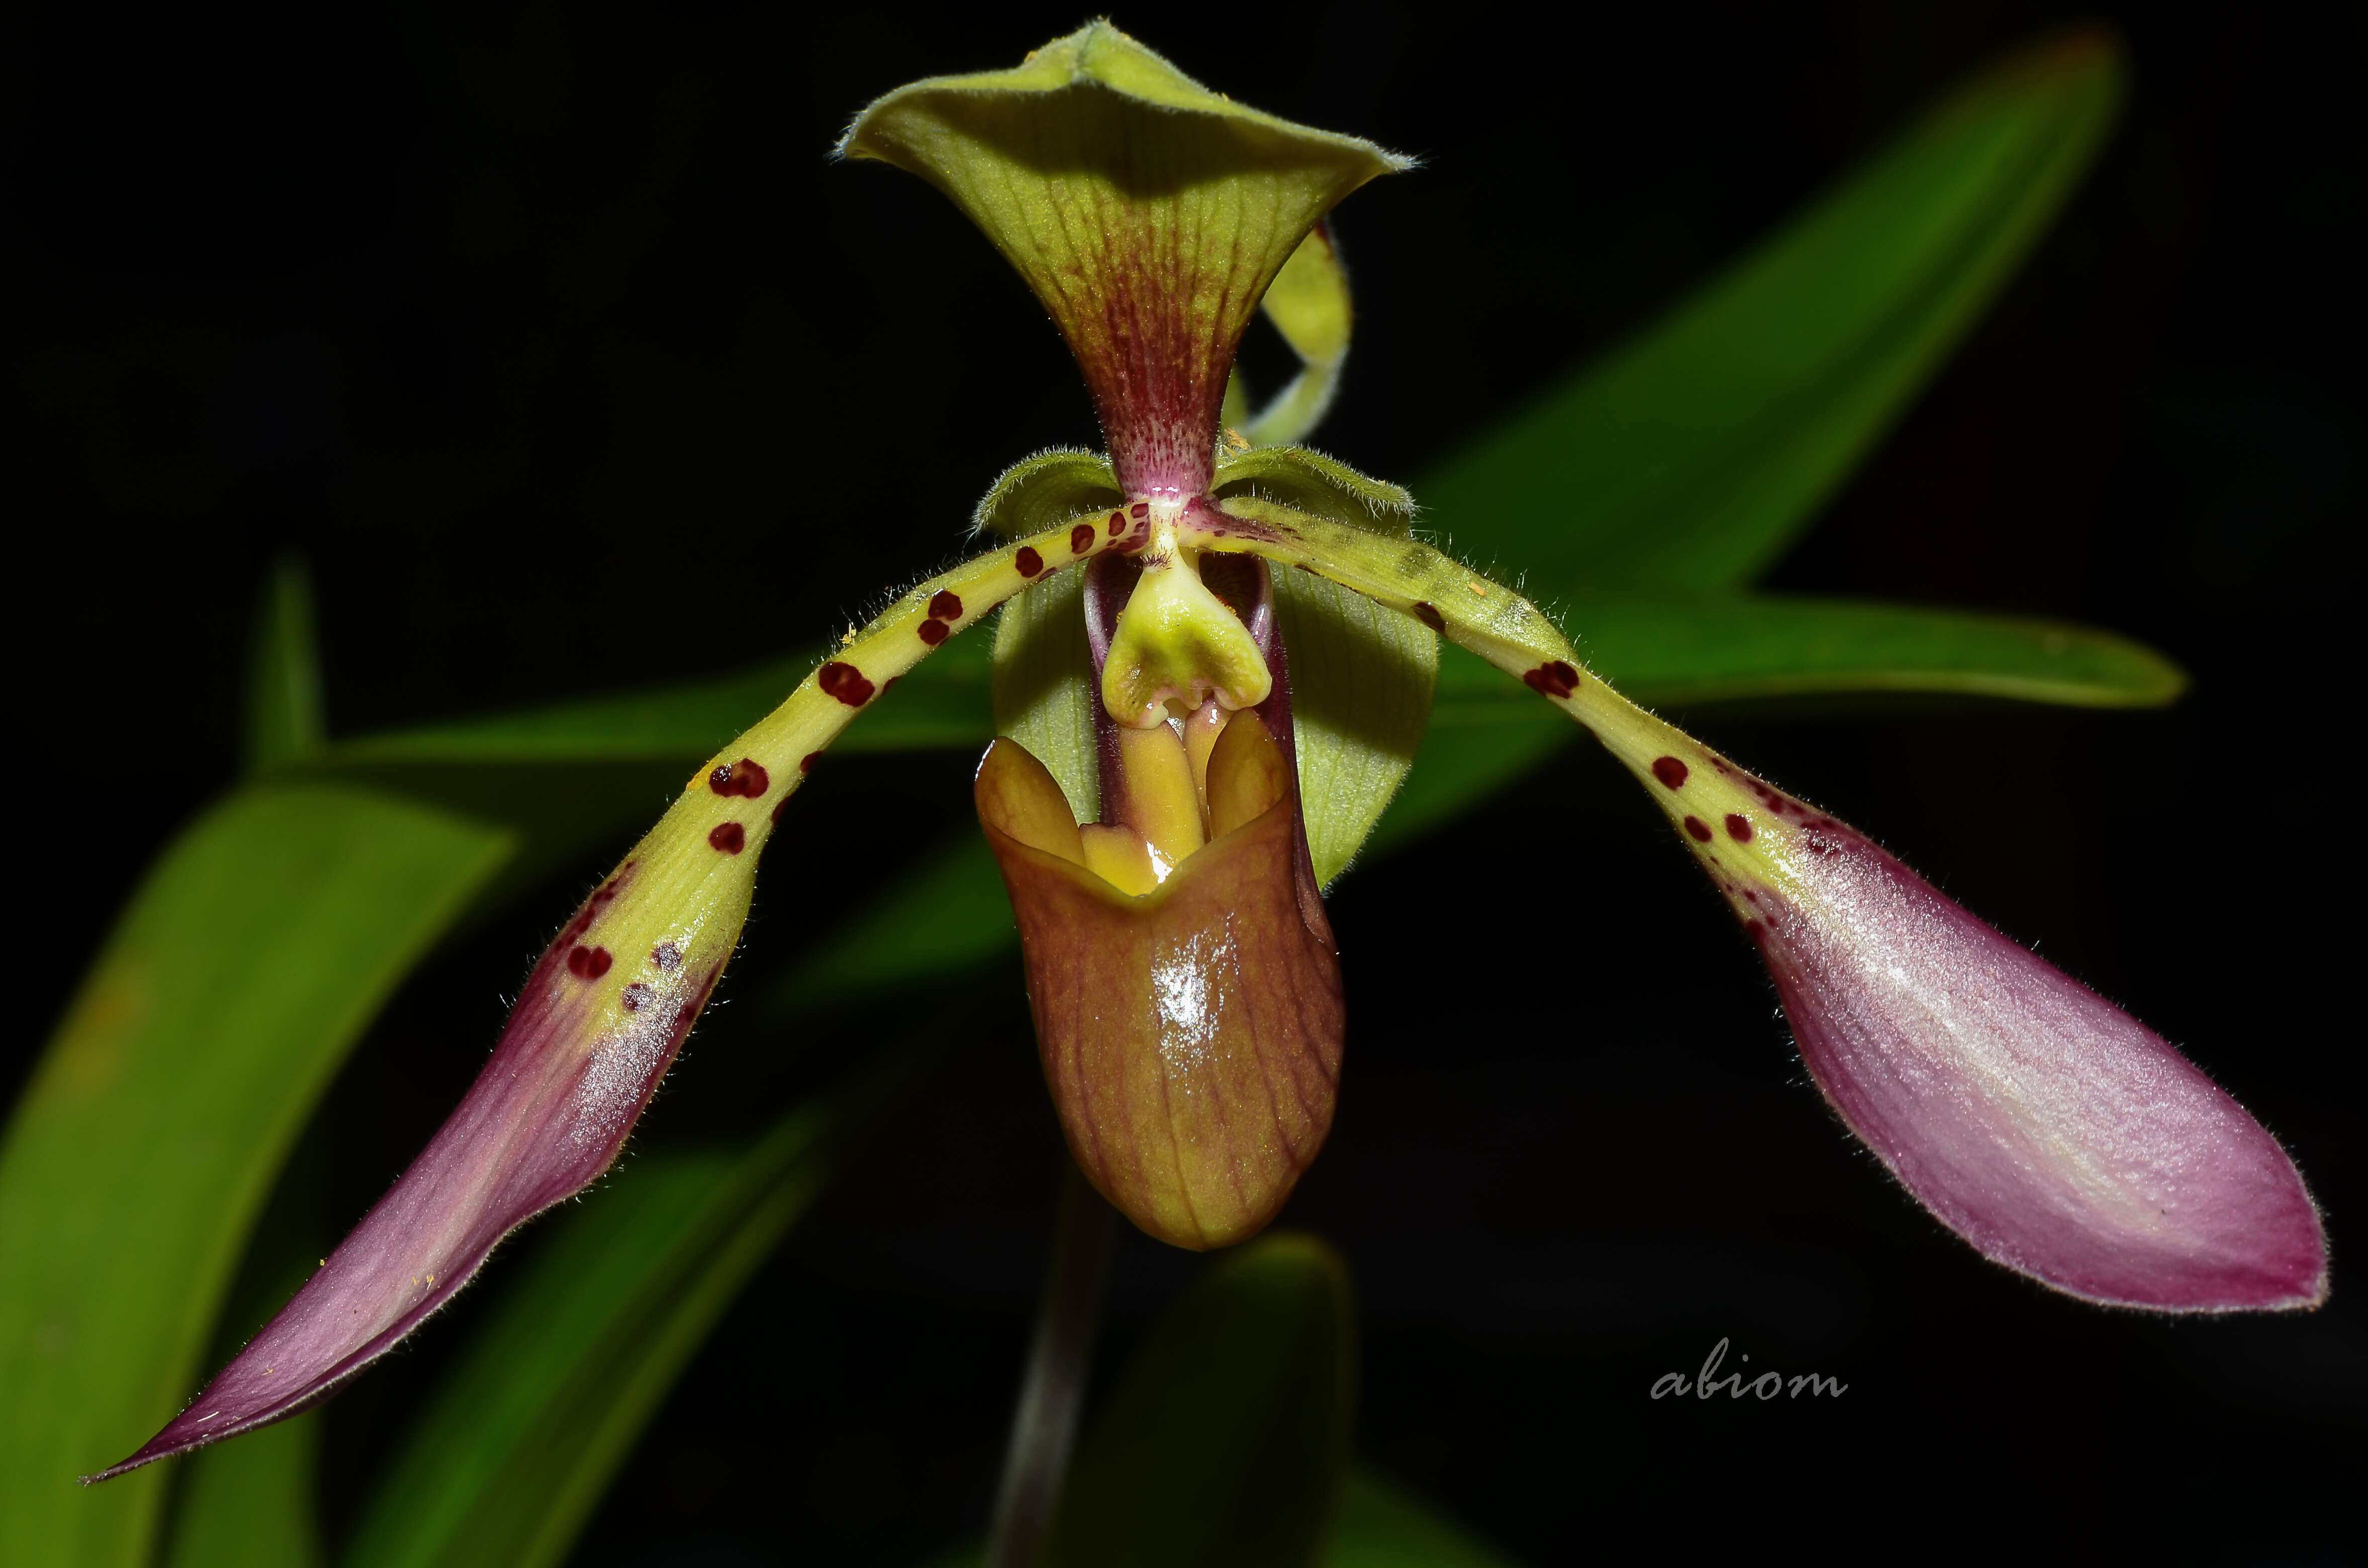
point(248, 963)
point(1692, 455)
point(507, 1462)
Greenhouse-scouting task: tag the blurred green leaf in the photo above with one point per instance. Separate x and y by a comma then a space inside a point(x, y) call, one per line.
point(942, 702)
point(1486, 731)
point(251, 1502)
point(283, 676)
point(248, 963)
point(508, 1460)
point(1690, 457)
point(1666, 652)
point(1225, 1438)
point(946, 914)
point(1382, 1526)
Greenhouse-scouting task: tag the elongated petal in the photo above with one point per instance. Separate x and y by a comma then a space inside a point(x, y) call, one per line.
point(598, 1024)
point(1190, 1037)
point(594, 1030)
point(2054, 1132)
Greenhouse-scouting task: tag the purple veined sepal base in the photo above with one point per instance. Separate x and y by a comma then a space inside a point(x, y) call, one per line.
point(544, 1119)
point(2055, 1134)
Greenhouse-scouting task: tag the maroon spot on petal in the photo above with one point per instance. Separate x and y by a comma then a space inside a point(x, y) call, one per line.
point(1140, 509)
point(667, 956)
point(1428, 613)
point(1556, 678)
point(1118, 524)
point(780, 806)
point(805, 763)
point(935, 631)
point(746, 776)
point(847, 683)
point(635, 997)
point(1027, 560)
point(728, 836)
point(589, 963)
point(946, 605)
point(1669, 771)
point(1750, 896)
point(1739, 827)
point(1699, 829)
point(1081, 537)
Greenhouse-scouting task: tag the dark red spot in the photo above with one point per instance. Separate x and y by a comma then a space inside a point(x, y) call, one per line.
point(1699, 829)
point(746, 777)
point(1129, 546)
point(1140, 509)
point(1027, 560)
point(1118, 524)
point(1081, 537)
point(847, 683)
point(635, 997)
point(946, 605)
point(805, 763)
point(1738, 828)
point(1556, 679)
point(1428, 613)
point(589, 963)
point(780, 806)
point(1669, 771)
point(935, 631)
point(728, 836)
point(1750, 896)
point(667, 956)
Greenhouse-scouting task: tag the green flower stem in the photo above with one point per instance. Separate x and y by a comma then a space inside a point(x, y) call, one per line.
point(1044, 1425)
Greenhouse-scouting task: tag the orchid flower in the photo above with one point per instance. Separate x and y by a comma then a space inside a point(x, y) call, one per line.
point(1165, 829)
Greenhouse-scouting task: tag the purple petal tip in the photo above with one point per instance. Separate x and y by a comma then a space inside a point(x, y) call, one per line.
point(2054, 1132)
point(547, 1116)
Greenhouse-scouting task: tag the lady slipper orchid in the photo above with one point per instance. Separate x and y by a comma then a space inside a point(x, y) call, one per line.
point(1165, 823)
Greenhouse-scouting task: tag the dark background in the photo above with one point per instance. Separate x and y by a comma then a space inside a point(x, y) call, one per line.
point(555, 346)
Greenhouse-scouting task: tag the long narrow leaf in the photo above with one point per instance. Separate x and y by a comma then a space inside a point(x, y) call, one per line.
point(1658, 649)
point(1692, 456)
point(510, 1459)
point(942, 702)
point(245, 968)
point(251, 1502)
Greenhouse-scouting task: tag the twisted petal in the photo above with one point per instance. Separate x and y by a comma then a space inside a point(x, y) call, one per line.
point(598, 1024)
point(1191, 1036)
point(2054, 1132)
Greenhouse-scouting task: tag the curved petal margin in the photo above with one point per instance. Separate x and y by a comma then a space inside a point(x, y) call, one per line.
point(2048, 1127)
point(598, 1024)
point(1191, 1036)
